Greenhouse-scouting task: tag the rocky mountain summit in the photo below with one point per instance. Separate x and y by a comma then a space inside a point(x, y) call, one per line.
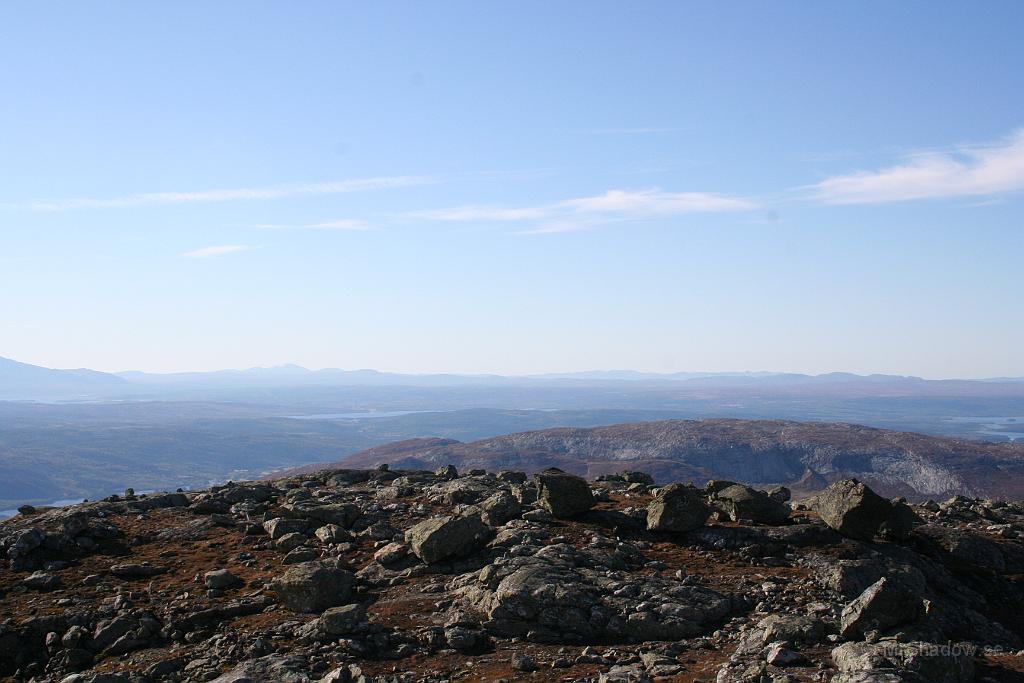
point(805, 456)
point(380, 574)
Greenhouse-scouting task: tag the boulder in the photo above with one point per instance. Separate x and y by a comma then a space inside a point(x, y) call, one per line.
point(222, 579)
point(313, 587)
point(439, 538)
point(391, 553)
point(279, 526)
point(500, 508)
point(330, 534)
point(895, 662)
point(290, 541)
point(742, 502)
point(42, 581)
point(342, 621)
point(886, 603)
point(854, 510)
point(561, 594)
point(677, 508)
point(277, 668)
point(448, 472)
point(563, 494)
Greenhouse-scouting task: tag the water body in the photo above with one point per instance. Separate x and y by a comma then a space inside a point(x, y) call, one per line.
point(1005, 427)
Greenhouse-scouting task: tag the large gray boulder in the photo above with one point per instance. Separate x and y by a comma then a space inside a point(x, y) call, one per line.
point(913, 662)
point(886, 603)
point(270, 668)
point(742, 502)
point(313, 587)
point(854, 510)
point(678, 508)
point(442, 537)
point(563, 494)
point(500, 508)
point(344, 620)
point(561, 594)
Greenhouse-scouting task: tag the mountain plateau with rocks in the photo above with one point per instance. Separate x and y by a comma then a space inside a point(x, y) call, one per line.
point(409, 575)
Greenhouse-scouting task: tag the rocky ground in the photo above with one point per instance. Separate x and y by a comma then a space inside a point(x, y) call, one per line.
point(379, 575)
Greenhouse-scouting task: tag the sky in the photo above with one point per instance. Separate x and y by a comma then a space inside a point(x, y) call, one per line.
point(514, 187)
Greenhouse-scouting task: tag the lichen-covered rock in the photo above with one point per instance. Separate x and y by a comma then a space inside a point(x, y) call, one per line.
point(222, 579)
point(677, 508)
point(500, 508)
point(439, 538)
point(313, 587)
point(886, 603)
point(913, 662)
point(563, 494)
point(854, 510)
point(561, 594)
point(343, 621)
point(744, 502)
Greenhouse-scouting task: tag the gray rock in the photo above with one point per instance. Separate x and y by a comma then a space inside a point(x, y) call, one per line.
point(300, 555)
point(886, 603)
point(391, 553)
point(779, 655)
point(558, 593)
point(913, 662)
point(500, 508)
point(42, 581)
point(854, 510)
point(271, 668)
point(523, 662)
point(439, 538)
point(290, 541)
point(280, 526)
point(563, 494)
point(343, 621)
point(313, 587)
point(742, 502)
point(448, 472)
point(678, 508)
point(330, 534)
point(512, 477)
point(222, 579)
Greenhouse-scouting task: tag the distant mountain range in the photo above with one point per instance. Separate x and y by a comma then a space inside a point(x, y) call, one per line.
point(21, 380)
point(805, 456)
point(31, 382)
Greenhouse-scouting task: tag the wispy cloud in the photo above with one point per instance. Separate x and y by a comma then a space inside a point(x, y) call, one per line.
point(238, 194)
point(343, 224)
point(968, 171)
point(586, 212)
point(633, 131)
point(220, 250)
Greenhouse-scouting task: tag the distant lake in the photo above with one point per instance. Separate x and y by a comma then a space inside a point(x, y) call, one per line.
point(996, 426)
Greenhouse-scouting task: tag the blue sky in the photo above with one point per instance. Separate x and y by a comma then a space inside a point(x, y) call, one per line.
point(513, 187)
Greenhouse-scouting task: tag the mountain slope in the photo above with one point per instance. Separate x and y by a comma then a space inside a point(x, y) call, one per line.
point(802, 455)
point(24, 381)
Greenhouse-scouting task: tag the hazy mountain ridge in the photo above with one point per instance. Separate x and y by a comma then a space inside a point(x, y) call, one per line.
point(804, 456)
point(22, 381)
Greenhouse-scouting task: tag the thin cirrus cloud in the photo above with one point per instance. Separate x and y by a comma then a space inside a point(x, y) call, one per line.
point(220, 250)
point(342, 225)
point(237, 194)
point(586, 212)
point(970, 171)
